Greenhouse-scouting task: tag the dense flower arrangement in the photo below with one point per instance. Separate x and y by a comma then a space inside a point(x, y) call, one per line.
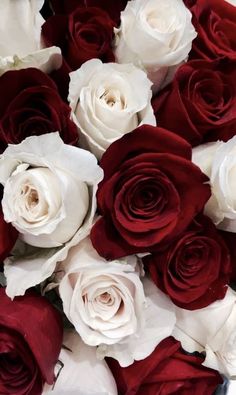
point(118, 197)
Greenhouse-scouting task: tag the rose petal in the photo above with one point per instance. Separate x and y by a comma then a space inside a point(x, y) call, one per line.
point(82, 372)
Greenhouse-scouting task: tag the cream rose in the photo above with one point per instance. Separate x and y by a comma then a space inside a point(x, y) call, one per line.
point(155, 35)
point(213, 330)
point(218, 161)
point(111, 307)
point(108, 100)
point(21, 45)
point(49, 190)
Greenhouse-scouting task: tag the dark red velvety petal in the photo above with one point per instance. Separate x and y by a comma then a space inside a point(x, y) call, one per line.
point(112, 8)
point(194, 270)
point(146, 138)
point(171, 114)
point(19, 373)
point(215, 22)
point(40, 325)
point(168, 370)
point(190, 3)
point(8, 237)
point(230, 240)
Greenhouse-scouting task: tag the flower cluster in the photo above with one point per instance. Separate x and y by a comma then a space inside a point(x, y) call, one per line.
point(118, 199)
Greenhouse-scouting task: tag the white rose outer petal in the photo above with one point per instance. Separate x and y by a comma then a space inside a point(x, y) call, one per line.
point(233, 2)
point(20, 39)
point(108, 101)
point(213, 330)
point(30, 266)
point(82, 372)
point(218, 161)
point(155, 35)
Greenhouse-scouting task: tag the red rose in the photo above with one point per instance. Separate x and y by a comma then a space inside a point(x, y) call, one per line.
point(84, 34)
point(193, 270)
point(30, 343)
point(150, 193)
point(215, 23)
point(168, 370)
point(200, 104)
point(8, 237)
point(113, 8)
point(31, 105)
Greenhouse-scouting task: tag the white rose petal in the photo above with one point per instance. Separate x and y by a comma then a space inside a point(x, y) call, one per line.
point(155, 35)
point(82, 373)
point(218, 161)
point(213, 330)
point(110, 307)
point(233, 2)
point(232, 383)
point(108, 101)
point(49, 196)
point(20, 37)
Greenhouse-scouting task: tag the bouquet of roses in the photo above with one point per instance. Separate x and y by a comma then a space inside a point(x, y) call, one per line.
point(118, 197)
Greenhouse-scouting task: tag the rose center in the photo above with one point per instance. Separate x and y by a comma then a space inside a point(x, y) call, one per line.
point(31, 196)
point(113, 98)
point(105, 298)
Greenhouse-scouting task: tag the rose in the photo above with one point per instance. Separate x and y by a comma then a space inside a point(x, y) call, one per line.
point(150, 192)
point(194, 269)
point(31, 105)
point(215, 22)
point(8, 237)
point(168, 370)
point(109, 100)
point(30, 342)
point(201, 101)
point(211, 329)
point(218, 161)
point(110, 307)
point(48, 197)
point(104, 302)
point(155, 35)
point(80, 361)
point(112, 8)
point(42, 189)
point(84, 34)
point(20, 39)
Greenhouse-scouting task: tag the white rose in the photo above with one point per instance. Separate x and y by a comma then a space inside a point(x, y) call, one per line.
point(109, 100)
point(218, 161)
point(80, 372)
point(155, 35)
point(49, 196)
point(213, 330)
point(111, 307)
point(20, 37)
